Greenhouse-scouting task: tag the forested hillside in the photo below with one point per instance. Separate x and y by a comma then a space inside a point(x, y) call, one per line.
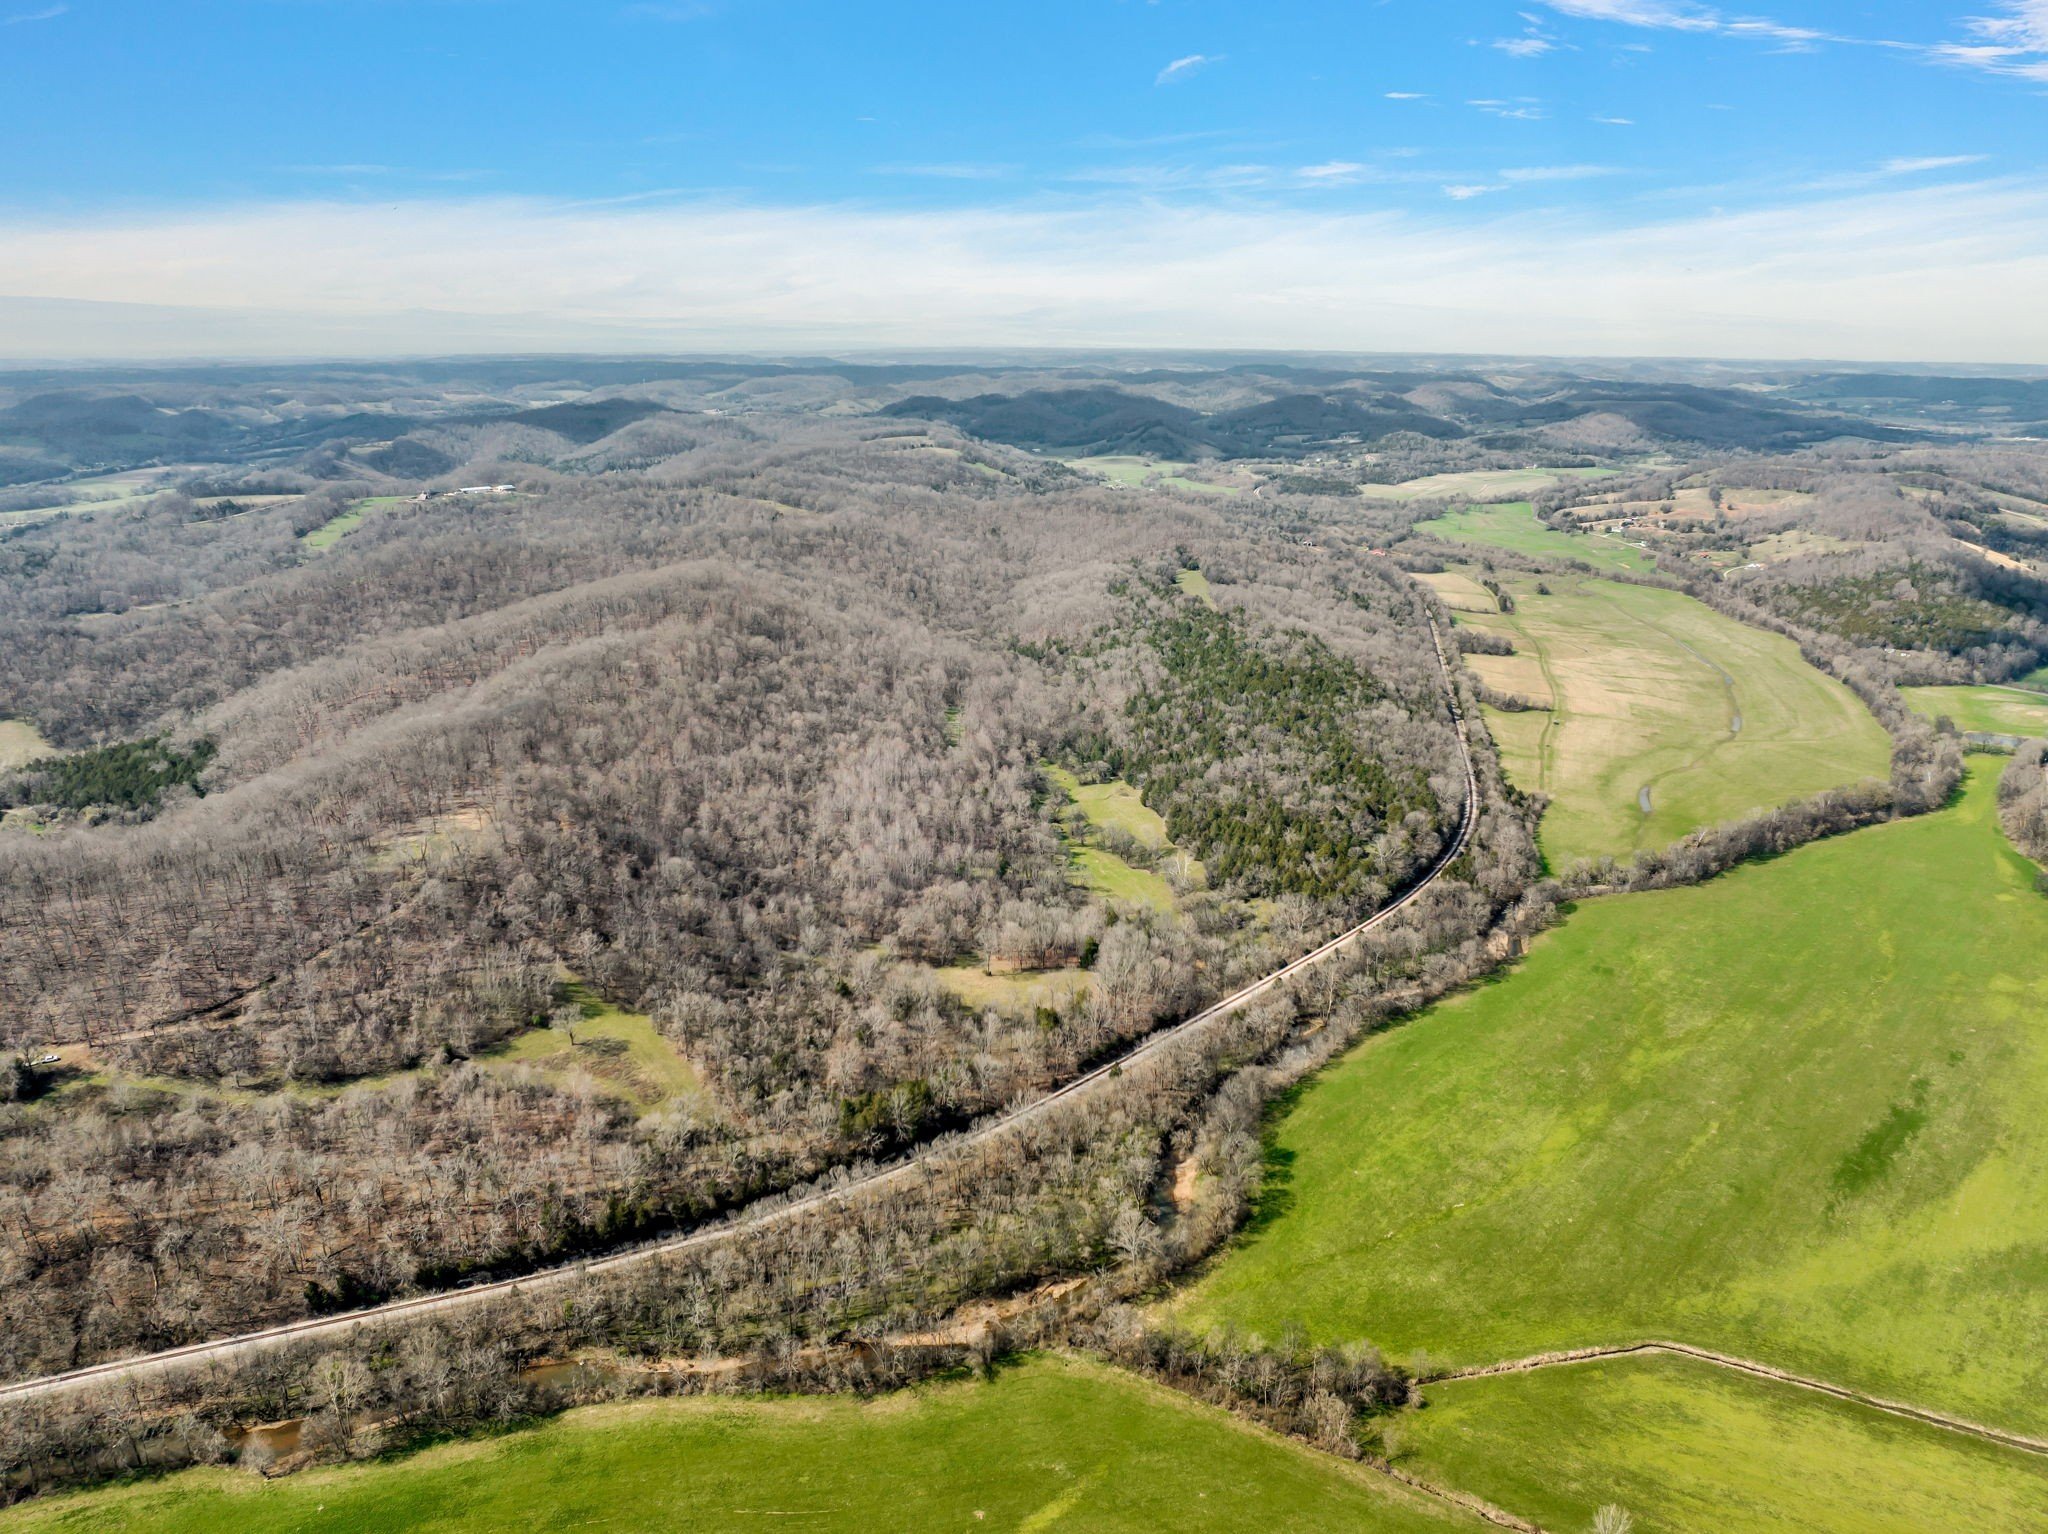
point(757, 742)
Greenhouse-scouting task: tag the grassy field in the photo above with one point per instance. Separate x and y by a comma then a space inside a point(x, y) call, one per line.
point(332, 531)
point(1117, 805)
point(1685, 1446)
point(21, 742)
point(1019, 992)
point(1460, 592)
point(1993, 710)
point(1196, 584)
point(1644, 690)
point(104, 492)
point(1050, 1445)
point(1792, 1114)
point(1148, 473)
point(1513, 525)
point(1477, 482)
point(623, 1052)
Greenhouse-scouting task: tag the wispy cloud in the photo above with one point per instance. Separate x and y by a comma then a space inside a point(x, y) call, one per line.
point(672, 10)
point(47, 13)
point(1534, 42)
point(1682, 16)
point(1917, 164)
point(1332, 171)
point(1938, 272)
point(947, 170)
point(1522, 109)
point(2012, 42)
point(1527, 174)
point(1465, 191)
point(1892, 170)
point(1616, 122)
point(1181, 68)
point(2015, 42)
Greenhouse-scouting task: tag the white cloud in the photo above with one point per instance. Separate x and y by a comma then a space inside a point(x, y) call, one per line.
point(1465, 191)
point(1917, 164)
point(1683, 16)
point(1954, 272)
point(947, 170)
point(1521, 110)
point(47, 13)
point(1331, 171)
point(1534, 42)
point(2014, 42)
point(1181, 68)
point(1532, 173)
point(1407, 96)
point(1616, 122)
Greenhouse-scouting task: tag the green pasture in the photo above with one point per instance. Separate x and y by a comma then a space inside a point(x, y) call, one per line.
point(1661, 715)
point(1793, 1114)
point(1512, 525)
point(1687, 1446)
point(1992, 710)
point(1051, 1445)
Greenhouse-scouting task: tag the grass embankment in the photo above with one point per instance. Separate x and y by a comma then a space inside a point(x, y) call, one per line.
point(1513, 525)
point(1662, 715)
point(1053, 1444)
point(1793, 1114)
point(1686, 1446)
point(1992, 710)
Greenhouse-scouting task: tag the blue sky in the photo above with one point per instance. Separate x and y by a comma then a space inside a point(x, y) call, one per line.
point(998, 172)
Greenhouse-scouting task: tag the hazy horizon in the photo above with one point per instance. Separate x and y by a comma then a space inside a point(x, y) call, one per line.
point(1586, 178)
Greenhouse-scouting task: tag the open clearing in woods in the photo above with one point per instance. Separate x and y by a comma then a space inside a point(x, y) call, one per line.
point(1792, 1114)
point(336, 528)
point(1660, 715)
point(21, 742)
point(1992, 710)
point(1149, 473)
point(1118, 806)
point(621, 1052)
point(1477, 482)
point(1051, 1444)
point(1512, 525)
point(1687, 1446)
